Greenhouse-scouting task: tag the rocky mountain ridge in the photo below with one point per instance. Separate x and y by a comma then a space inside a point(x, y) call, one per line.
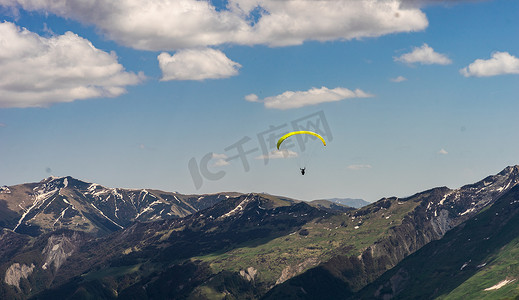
point(247, 246)
point(58, 258)
point(65, 202)
point(435, 212)
point(468, 262)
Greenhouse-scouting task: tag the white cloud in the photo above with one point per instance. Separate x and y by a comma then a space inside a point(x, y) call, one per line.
point(424, 3)
point(3, 125)
point(398, 79)
point(39, 71)
point(221, 160)
point(196, 64)
point(443, 152)
point(177, 24)
point(293, 22)
point(359, 167)
point(290, 99)
point(276, 154)
point(500, 63)
point(424, 55)
point(252, 98)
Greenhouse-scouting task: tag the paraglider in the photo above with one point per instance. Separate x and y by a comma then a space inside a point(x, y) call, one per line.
point(283, 138)
point(299, 132)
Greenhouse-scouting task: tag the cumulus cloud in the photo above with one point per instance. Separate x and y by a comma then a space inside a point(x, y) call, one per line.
point(424, 55)
point(252, 98)
point(196, 64)
point(276, 154)
point(443, 152)
point(39, 71)
point(220, 160)
point(499, 64)
point(290, 99)
point(359, 167)
point(423, 3)
point(398, 79)
point(293, 22)
point(177, 24)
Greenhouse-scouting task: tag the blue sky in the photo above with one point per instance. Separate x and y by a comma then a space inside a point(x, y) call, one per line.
point(414, 94)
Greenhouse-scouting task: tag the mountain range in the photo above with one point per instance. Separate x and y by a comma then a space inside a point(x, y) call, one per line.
point(65, 238)
point(65, 202)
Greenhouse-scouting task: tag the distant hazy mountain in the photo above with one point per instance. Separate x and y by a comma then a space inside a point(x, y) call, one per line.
point(328, 205)
point(252, 246)
point(356, 203)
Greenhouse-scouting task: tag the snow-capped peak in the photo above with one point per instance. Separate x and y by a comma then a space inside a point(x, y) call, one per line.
point(4, 190)
point(238, 208)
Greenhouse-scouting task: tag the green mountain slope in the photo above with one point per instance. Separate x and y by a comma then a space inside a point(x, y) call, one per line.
point(147, 254)
point(432, 214)
point(246, 247)
point(479, 259)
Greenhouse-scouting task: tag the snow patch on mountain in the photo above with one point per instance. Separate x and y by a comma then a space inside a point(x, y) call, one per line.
point(95, 190)
point(445, 197)
point(39, 199)
point(148, 208)
point(237, 209)
point(116, 209)
point(60, 216)
point(143, 194)
point(499, 285)
point(467, 211)
point(116, 194)
point(101, 212)
point(465, 265)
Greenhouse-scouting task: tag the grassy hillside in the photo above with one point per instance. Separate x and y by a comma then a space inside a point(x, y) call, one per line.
point(278, 259)
point(253, 246)
point(477, 255)
point(498, 279)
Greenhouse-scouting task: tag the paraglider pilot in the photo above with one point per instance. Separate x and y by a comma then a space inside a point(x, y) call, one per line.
point(302, 170)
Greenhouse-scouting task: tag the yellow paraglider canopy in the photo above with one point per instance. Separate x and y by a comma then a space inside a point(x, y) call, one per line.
point(299, 132)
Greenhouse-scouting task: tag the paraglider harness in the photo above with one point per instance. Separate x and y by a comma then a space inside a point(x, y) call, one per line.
point(281, 139)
